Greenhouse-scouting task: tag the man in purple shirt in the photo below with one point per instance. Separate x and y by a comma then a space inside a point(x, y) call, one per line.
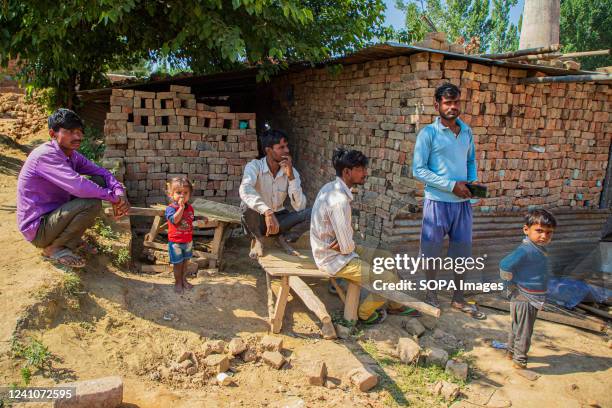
point(55, 203)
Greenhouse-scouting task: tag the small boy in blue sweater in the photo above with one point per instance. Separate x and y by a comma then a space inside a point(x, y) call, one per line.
point(526, 270)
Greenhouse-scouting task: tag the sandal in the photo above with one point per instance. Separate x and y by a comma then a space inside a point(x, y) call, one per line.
point(405, 311)
point(470, 309)
point(379, 316)
point(87, 248)
point(65, 257)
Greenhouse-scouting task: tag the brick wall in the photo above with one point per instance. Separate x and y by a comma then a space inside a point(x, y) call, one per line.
point(154, 136)
point(537, 145)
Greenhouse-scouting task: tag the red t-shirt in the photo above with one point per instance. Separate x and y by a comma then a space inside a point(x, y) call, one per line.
point(183, 232)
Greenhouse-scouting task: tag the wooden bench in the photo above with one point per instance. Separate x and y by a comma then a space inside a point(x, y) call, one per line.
point(220, 216)
point(291, 269)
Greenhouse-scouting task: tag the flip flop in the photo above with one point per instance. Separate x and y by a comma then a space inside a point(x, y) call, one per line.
point(467, 308)
point(405, 311)
point(378, 316)
point(59, 258)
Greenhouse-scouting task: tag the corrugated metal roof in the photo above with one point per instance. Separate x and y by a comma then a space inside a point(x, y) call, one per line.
point(244, 80)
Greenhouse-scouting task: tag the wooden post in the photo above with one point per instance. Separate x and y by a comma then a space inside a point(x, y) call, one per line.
point(351, 305)
point(519, 53)
point(281, 302)
point(313, 303)
point(339, 290)
point(154, 229)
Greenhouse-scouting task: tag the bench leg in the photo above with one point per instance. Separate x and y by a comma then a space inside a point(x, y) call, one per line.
point(352, 302)
point(154, 229)
point(270, 298)
point(281, 302)
point(339, 290)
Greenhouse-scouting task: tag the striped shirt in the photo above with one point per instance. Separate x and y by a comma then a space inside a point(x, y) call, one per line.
point(331, 221)
point(261, 191)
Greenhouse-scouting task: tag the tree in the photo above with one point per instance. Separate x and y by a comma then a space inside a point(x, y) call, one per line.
point(69, 43)
point(587, 25)
point(463, 18)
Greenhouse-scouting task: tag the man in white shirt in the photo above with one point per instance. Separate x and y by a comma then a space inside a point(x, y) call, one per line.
point(331, 234)
point(266, 183)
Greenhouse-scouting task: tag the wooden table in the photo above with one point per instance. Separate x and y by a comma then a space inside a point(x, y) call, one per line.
point(220, 216)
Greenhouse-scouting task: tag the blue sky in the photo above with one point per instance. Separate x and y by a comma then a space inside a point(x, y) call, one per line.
point(395, 17)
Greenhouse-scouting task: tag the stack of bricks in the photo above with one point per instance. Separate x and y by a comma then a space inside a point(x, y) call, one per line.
point(438, 41)
point(537, 145)
point(161, 135)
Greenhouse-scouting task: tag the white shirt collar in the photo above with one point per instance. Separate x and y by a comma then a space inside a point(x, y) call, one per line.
point(344, 188)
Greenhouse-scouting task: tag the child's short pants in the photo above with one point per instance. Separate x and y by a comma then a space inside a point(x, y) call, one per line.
point(180, 252)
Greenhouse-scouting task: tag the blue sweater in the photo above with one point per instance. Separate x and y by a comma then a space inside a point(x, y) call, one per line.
point(527, 267)
point(441, 159)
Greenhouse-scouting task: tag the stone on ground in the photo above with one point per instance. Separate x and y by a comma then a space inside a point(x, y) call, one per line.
point(273, 359)
point(363, 379)
point(316, 372)
point(447, 390)
point(224, 379)
point(457, 368)
point(249, 355)
point(236, 346)
point(217, 346)
point(218, 362)
point(408, 350)
point(413, 326)
point(436, 356)
point(104, 392)
point(272, 343)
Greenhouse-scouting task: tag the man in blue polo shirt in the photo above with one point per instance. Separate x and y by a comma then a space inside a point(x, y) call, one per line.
point(445, 161)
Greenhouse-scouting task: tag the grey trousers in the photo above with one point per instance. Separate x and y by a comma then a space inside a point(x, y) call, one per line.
point(291, 224)
point(66, 225)
point(523, 316)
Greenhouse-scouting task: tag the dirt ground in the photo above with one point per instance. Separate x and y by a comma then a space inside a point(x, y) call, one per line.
point(119, 326)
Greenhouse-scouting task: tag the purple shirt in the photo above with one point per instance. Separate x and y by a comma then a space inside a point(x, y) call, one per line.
point(49, 179)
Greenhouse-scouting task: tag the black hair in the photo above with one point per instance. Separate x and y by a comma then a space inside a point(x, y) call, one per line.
point(270, 137)
point(542, 217)
point(448, 90)
point(64, 118)
point(177, 182)
point(347, 159)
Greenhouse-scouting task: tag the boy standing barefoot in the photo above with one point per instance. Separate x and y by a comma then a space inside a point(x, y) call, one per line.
point(526, 272)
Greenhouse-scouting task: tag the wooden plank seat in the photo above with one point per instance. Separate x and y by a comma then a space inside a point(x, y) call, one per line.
point(291, 269)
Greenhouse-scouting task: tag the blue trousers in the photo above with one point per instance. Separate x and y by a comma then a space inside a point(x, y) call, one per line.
point(439, 220)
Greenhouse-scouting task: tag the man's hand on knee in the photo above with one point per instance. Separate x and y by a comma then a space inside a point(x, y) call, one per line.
point(121, 207)
point(272, 226)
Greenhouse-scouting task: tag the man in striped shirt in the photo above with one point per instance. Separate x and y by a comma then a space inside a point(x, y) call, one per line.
point(331, 232)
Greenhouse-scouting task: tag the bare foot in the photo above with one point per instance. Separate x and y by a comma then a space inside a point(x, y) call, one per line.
point(187, 285)
point(256, 249)
point(178, 288)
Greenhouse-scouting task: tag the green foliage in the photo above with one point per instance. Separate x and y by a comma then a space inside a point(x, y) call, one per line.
point(122, 257)
point(409, 380)
point(488, 20)
point(586, 25)
point(71, 284)
point(104, 230)
point(26, 375)
point(92, 145)
point(35, 354)
point(73, 43)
